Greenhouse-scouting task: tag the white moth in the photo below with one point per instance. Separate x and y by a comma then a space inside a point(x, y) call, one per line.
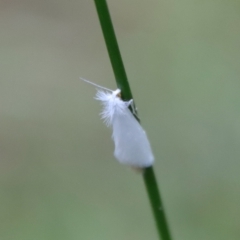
point(132, 146)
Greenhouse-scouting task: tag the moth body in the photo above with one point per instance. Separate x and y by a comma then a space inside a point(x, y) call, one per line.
point(132, 146)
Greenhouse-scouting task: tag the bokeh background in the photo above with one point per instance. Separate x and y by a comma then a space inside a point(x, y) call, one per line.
point(58, 177)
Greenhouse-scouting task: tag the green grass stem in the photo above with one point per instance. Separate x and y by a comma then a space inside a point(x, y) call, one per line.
point(122, 83)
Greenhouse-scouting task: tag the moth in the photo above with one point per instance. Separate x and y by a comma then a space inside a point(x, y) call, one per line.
point(132, 146)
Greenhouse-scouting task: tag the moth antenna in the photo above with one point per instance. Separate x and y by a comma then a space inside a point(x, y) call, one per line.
point(96, 85)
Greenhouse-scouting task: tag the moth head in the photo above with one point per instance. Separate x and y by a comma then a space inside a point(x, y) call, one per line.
point(117, 93)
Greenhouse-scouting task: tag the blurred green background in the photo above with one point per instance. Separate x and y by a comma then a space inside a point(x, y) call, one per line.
point(58, 177)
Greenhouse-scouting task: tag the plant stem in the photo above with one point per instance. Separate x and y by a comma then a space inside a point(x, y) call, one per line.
point(113, 49)
point(156, 203)
point(122, 83)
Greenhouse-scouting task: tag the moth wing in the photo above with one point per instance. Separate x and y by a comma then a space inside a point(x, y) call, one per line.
point(132, 146)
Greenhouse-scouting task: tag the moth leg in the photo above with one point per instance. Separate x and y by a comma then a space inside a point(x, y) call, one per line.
point(132, 106)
